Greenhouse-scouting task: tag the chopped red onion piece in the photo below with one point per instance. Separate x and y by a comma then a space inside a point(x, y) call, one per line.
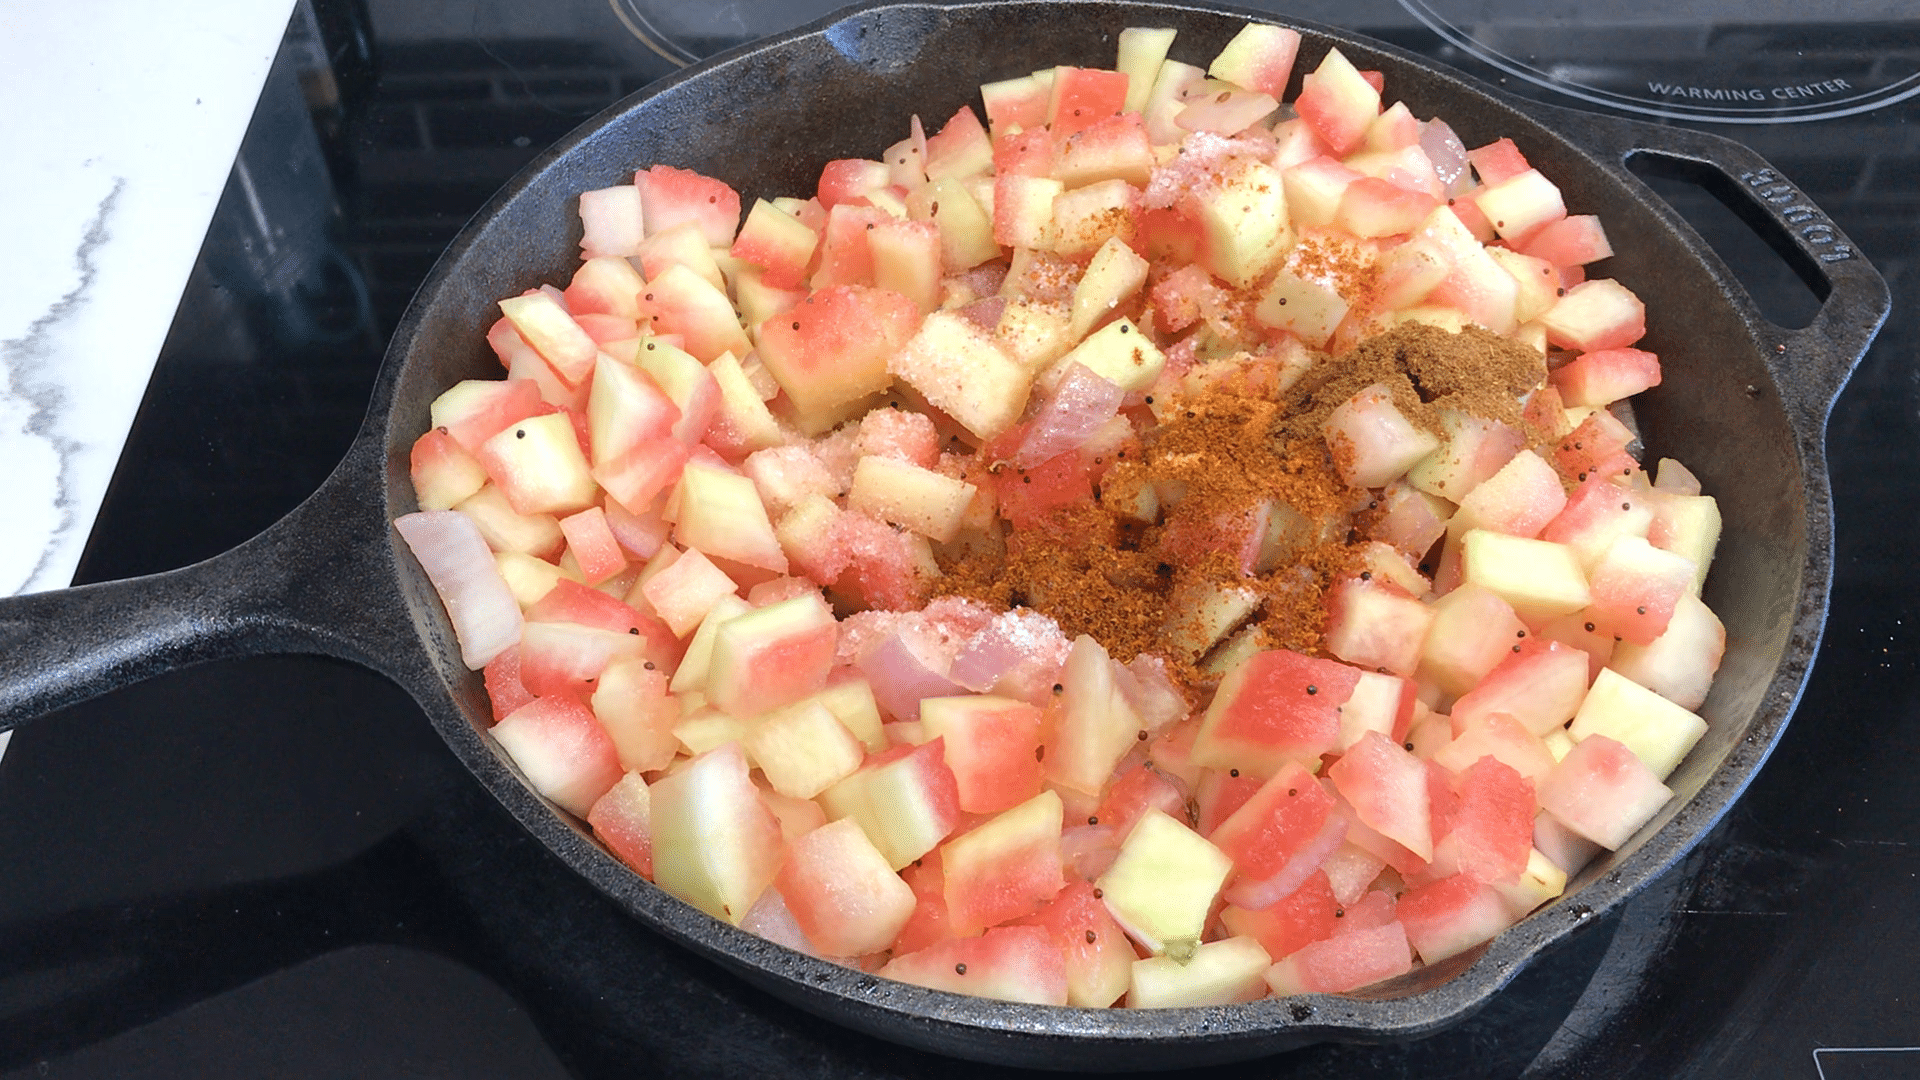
point(1155, 697)
point(985, 312)
point(1256, 895)
point(640, 535)
point(770, 918)
point(1087, 851)
point(485, 616)
point(1078, 407)
point(1017, 653)
point(1448, 154)
point(902, 671)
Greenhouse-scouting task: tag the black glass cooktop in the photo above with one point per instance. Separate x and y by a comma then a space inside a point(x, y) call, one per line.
point(274, 868)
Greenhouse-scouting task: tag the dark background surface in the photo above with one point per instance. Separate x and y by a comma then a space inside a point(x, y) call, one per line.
point(274, 867)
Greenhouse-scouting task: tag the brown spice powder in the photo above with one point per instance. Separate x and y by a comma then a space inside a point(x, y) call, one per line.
point(1334, 263)
point(1427, 369)
point(1222, 458)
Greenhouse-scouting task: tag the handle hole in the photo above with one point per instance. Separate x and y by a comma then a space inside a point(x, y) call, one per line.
point(1785, 283)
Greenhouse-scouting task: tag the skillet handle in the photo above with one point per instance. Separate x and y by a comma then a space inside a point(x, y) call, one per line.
point(1811, 365)
point(320, 580)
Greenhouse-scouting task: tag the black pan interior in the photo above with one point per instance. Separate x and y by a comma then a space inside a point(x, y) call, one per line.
point(767, 117)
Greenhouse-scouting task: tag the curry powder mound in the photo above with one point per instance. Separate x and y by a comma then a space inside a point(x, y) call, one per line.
point(1220, 463)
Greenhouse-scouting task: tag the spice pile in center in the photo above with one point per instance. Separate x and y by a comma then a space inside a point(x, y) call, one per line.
point(1227, 467)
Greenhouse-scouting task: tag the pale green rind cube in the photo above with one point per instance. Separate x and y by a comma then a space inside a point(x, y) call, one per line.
point(1540, 882)
point(803, 749)
point(1246, 223)
point(715, 843)
point(720, 513)
point(1224, 972)
point(1538, 578)
point(1657, 731)
point(1163, 883)
point(851, 702)
point(1119, 353)
point(1693, 530)
point(692, 672)
point(902, 493)
point(961, 371)
point(1142, 50)
point(707, 729)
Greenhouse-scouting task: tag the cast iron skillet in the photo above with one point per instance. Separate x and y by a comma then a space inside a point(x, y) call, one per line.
point(1744, 404)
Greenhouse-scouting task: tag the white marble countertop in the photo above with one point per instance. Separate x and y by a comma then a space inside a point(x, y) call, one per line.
point(123, 118)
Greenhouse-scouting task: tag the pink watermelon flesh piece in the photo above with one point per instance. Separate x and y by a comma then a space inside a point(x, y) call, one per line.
point(1091, 944)
point(1345, 962)
point(564, 752)
point(1011, 963)
point(1387, 787)
point(1451, 916)
point(1297, 920)
point(620, 819)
